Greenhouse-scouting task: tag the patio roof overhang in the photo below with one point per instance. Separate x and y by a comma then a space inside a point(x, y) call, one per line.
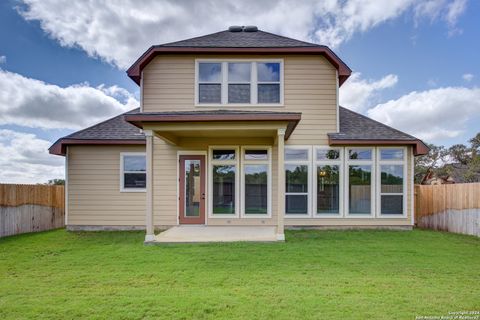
point(173, 127)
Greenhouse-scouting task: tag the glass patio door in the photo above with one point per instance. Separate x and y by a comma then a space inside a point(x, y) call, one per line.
point(192, 190)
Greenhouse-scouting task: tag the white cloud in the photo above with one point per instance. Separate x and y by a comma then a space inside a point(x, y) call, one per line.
point(3, 59)
point(119, 32)
point(33, 103)
point(468, 77)
point(25, 159)
point(431, 115)
point(358, 94)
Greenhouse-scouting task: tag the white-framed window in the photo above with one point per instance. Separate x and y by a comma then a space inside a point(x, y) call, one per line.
point(360, 182)
point(133, 172)
point(328, 182)
point(256, 188)
point(391, 181)
point(224, 181)
point(298, 186)
point(237, 82)
point(209, 82)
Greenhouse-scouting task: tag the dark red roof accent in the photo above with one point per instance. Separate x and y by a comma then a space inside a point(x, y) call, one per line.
point(226, 42)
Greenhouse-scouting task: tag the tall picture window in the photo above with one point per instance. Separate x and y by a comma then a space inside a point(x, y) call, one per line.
point(360, 181)
point(391, 168)
point(327, 176)
point(224, 170)
point(256, 181)
point(297, 181)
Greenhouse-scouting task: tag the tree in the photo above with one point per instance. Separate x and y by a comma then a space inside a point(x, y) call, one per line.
point(56, 182)
point(475, 143)
point(460, 153)
point(432, 161)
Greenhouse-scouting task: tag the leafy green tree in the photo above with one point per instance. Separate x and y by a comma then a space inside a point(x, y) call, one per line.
point(56, 182)
point(432, 161)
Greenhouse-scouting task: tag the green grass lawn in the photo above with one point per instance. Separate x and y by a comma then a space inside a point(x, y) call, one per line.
point(314, 275)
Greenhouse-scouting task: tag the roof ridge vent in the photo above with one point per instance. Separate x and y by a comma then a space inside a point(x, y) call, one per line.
point(235, 28)
point(250, 29)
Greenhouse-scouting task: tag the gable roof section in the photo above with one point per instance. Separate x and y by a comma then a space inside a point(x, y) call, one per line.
point(239, 42)
point(357, 129)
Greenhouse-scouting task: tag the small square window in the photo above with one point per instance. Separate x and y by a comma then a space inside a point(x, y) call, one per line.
point(268, 72)
point(210, 93)
point(223, 154)
point(239, 72)
point(360, 154)
point(296, 154)
point(391, 154)
point(256, 155)
point(328, 154)
point(210, 72)
point(268, 93)
point(238, 93)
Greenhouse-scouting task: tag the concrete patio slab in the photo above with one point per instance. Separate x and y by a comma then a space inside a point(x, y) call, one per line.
point(199, 234)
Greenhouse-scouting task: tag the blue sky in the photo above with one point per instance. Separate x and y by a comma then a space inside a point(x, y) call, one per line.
point(415, 64)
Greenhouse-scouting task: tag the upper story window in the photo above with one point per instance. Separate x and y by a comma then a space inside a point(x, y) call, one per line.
point(242, 82)
point(209, 82)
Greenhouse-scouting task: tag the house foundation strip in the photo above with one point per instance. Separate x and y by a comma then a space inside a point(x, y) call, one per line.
point(150, 235)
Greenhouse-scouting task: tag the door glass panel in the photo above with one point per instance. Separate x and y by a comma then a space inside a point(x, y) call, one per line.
point(192, 188)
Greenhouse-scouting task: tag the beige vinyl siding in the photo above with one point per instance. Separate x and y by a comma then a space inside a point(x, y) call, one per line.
point(94, 197)
point(309, 88)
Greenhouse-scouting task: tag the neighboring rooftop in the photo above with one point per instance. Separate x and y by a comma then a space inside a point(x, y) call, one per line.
point(243, 40)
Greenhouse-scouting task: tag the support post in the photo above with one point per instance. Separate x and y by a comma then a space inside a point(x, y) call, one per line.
point(281, 185)
point(150, 235)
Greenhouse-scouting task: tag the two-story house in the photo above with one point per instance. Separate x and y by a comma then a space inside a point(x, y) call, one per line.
point(239, 128)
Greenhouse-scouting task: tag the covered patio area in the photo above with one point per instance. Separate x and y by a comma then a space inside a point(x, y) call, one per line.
point(209, 211)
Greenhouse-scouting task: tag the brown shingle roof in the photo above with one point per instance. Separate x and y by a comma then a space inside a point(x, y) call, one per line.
point(227, 39)
point(354, 128)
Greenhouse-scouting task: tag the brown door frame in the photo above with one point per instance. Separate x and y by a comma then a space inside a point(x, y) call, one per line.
point(182, 219)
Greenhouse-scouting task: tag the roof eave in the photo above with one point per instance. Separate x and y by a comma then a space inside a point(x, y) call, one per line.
point(59, 148)
point(140, 119)
point(135, 71)
point(419, 147)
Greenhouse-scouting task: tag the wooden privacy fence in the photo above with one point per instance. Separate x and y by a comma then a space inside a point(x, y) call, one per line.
point(448, 207)
point(31, 208)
